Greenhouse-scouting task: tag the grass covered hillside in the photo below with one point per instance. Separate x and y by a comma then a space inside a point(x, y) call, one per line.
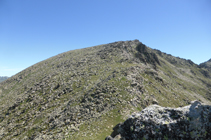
point(83, 94)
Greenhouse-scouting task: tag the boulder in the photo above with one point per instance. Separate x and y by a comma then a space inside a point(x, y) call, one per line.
point(155, 122)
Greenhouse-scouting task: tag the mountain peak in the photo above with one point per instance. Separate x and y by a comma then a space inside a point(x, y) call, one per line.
point(80, 94)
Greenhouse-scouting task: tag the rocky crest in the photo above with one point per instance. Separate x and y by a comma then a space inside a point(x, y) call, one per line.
point(206, 65)
point(155, 122)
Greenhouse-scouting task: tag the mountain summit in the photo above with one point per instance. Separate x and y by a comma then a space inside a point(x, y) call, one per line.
point(82, 94)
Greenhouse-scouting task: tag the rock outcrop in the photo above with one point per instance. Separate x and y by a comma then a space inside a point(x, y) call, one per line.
point(155, 122)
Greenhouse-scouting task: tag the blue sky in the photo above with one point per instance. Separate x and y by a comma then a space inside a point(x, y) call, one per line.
point(34, 30)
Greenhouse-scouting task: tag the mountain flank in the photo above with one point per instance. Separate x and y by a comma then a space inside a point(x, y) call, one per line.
point(83, 94)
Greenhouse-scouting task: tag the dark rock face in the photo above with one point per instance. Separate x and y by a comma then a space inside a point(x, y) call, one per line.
point(146, 56)
point(156, 122)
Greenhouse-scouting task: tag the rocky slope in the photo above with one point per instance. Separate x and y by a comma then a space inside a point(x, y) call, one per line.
point(82, 94)
point(160, 123)
point(206, 65)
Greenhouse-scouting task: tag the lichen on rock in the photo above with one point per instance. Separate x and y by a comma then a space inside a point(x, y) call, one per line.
point(155, 122)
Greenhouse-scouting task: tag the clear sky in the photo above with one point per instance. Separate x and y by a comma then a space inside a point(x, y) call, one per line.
point(34, 30)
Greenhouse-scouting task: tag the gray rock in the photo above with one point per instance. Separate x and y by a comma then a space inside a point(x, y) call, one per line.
point(155, 122)
point(109, 138)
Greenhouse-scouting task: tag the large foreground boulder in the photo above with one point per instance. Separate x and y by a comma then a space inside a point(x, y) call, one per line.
point(192, 122)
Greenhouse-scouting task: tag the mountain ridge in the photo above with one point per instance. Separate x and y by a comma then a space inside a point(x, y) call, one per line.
point(206, 65)
point(83, 93)
point(2, 78)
